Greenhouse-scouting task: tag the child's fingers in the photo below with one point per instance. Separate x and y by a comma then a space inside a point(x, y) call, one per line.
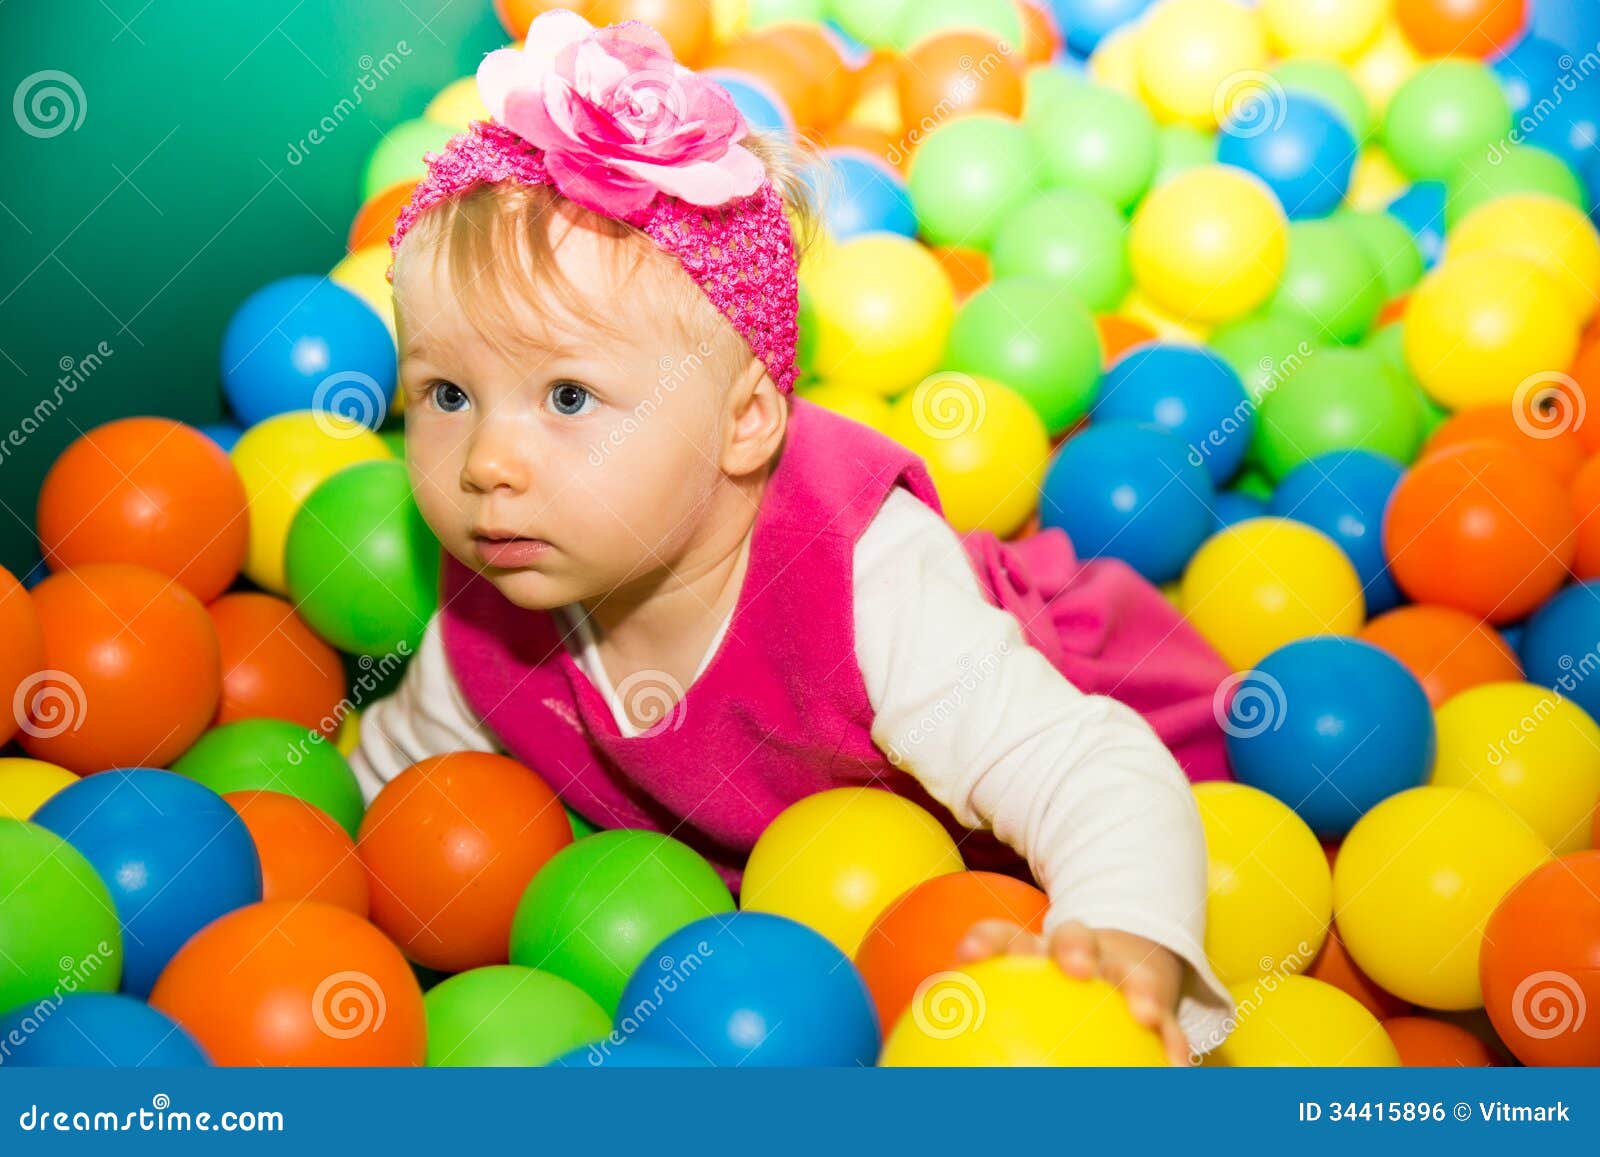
point(1176, 1044)
point(992, 937)
point(1076, 948)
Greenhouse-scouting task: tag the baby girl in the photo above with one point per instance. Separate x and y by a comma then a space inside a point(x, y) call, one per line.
point(688, 599)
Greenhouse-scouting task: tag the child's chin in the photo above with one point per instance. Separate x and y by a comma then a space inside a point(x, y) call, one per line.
point(530, 590)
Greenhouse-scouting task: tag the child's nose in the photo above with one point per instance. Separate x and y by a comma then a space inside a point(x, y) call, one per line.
point(494, 462)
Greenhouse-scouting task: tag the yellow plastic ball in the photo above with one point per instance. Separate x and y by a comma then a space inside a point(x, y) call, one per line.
point(1336, 28)
point(1114, 63)
point(985, 447)
point(1186, 52)
point(1534, 751)
point(27, 783)
point(1376, 180)
point(1416, 880)
point(458, 104)
point(281, 461)
point(362, 273)
point(1481, 324)
point(836, 859)
point(1269, 891)
point(1266, 582)
point(1294, 1021)
point(1209, 245)
point(348, 737)
point(1018, 1011)
point(882, 306)
point(1553, 234)
point(857, 404)
point(1383, 66)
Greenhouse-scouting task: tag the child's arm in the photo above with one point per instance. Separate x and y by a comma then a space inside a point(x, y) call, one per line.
point(426, 715)
point(1079, 784)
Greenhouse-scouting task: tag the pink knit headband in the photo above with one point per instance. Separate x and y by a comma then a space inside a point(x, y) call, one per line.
point(609, 118)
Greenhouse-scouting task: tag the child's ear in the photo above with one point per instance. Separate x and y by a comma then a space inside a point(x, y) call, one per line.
point(756, 418)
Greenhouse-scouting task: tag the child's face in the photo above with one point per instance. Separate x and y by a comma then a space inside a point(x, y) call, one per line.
point(577, 466)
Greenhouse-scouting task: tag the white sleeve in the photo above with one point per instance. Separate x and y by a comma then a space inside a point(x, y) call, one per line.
point(426, 715)
point(1080, 785)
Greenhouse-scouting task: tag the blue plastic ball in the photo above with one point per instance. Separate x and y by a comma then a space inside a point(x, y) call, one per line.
point(1512, 633)
point(1560, 645)
point(752, 989)
point(865, 196)
point(96, 1030)
point(1344, 495)
point(174, 854)
point(762, 108)
point(1421, 210)
point(632, 1053)
point(1528, 73)
point(1186, 390)
point(1130, 491)
point(224, 434)
point(1231, 506)
point(1088, 22)
point(1299, 145)
point(1331, 726)
point(307, 343)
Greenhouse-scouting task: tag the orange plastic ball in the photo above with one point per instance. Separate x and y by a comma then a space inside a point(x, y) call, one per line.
point(1569, 397)
point(968, 269)
point(1120, 334)
point(516, 15)
point(1540, 964)
point(918, 934)
point(779, 66)
point(304, 854)
point(1478, 28)
point(1554, 447)
point(23, 654)
point(1474, 527)
point(302, 984)
point(1424, 1043)
point(1446, 649)
point(450, 845)
point(684, 24)
point(133, 670)
point(955, 73)
point(873, 141)
point(833, 81)
point(1041, 37)
point(375, 220)
point(151, 492)
point(274, 666)
point(1334, 966)
point(1585, 495)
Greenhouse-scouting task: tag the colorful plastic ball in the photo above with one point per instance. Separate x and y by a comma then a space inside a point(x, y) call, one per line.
point(1094, 139)
point(919, 934)
point(858, 404)
point(1298, 145)
point(174, 855)
point(1553, 234)
point(1529, 747)
point(1461, 27)
point(954, 73)
point(1120, 334)
point(1447, 650)
point(1424, 1042)
point(1328, 282)
point(306, 343)
point(1534, 425)
point(398, 156)
point(882, 308)
point(1334, 966)
point(57, 919)
point(1557, 644)
point(1087, 22)
point(968, 176)
point(597, 908)
point(506, 1015)
point(1415, 882)
point(1268, 891)
point(151, 492)
point(1187, 391)
point(809, 86)
point(1187, 49)
point(1450, 110)
point(365, 274)
point(1329, 82)
point(1391, 245)
point(754, 990)
point(758, 102)
point(998, 18)
point(295, 983)
point(865, 196)
point(1334, 28)
point(1019, 1011)
point(273, 664)
point(22, 658)
point(1541, 964)
point(1422, 210)
point(131, 670)
point(1070, 236)
point(1303, 1022)
point(1344, 494)
point(630, 1053)
point(1571, 131)
point(1502, 172)
point(1260, 584)
point(450, 845)
point(97, 1030)
point(1209, 244)
point(1135, 492)
point(27, 783)
point(374, 222)
point(281, 461)
point(1473, 527)
point(304, 854)
point(276, 755)
point(1180, 148)
point(1000, 333)
point(1330, 726)
point(985, 447)
point(1264, 351)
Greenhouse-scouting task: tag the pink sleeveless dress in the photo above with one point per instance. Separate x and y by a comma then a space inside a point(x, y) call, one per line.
point(781, 711)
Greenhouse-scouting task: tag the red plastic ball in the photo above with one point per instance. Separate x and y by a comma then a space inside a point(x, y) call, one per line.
point(274, 666)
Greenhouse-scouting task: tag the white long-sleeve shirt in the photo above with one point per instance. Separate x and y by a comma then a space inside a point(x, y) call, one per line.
point(1079, 785)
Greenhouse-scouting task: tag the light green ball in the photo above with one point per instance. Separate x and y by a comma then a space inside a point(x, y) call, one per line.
point(398, 156)
point(1390, 244)
point(1503, 172)
point(1096, 139)
point(1071, 236)
point(968, 177)
point(873, 22)
point(1329, 281)
point(1448, 111)
point(505, 1016)
point(1180, 148)
point(1264, 351)
point(1339, 399)
point(276, 755)
point(999, 18)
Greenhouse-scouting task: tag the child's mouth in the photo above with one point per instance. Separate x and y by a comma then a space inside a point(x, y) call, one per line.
point(508, 550)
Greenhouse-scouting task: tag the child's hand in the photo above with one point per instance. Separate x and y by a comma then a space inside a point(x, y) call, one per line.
point(1149, 975)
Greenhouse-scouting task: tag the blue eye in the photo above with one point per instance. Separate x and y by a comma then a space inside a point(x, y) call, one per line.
point(449, 397)
point(569, 399)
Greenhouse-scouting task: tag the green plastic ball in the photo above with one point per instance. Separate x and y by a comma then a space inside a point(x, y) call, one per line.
point(1447, 111)
point(1388, 344)
point(1035, 336)
point(1096, 139)
point(1329, 281)
point(363, 566)
point(398, 156)
point(1339, 399)
point(595, 910)
point(968, 177)
point(1390, 244)
point(1070, 236)
point(505, 1016)
point(873, 22)
point(59, 931)
point(275, 755)
point(1520, 169)
point(1331, 83)
point(999, 18)
point(1180, 148)
point(1264, 351)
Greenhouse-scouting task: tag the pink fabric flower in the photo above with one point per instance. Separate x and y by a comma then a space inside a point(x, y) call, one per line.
point(617, 118)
